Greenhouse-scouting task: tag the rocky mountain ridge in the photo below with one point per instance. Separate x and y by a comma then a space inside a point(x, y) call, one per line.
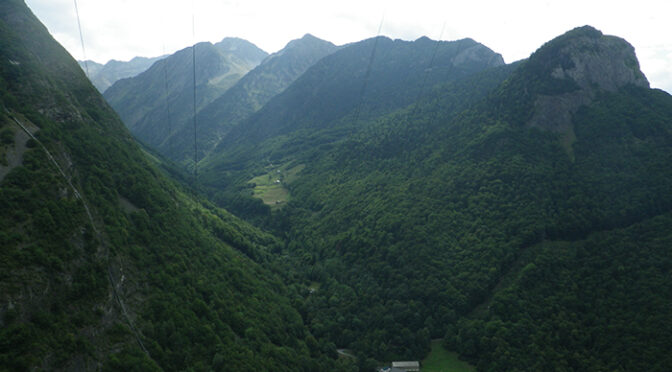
point(103, 76)
point(159, 102)
point(249, 94)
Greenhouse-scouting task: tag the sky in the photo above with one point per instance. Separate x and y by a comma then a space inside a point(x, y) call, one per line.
point(123, 29)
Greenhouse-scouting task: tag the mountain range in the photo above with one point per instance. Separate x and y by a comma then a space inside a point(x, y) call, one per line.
point(275, 73)
point(103, 76)
point(359, 82)
point(159, 102)
point(370, 197)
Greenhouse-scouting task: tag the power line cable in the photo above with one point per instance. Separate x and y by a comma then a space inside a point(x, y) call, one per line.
point(78, 195)
point(81, 39)
point(193, 63)
point(99, 235)
point(428, 70)
point(168, 114)
point(368, 73)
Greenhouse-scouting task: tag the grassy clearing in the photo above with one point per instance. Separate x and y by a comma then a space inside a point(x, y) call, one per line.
point(270, 187)
point(442, 360)
point(273, 195)
point(291, 174)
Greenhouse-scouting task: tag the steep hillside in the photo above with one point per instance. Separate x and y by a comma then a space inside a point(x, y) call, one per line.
point(159, 102)
point(104, 263)
point(520, 211)
point(103, 76)
point(591, 292)
point(249, 94)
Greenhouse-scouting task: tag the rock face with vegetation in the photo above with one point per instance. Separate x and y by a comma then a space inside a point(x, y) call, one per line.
point(591, 62)
point(106, 264)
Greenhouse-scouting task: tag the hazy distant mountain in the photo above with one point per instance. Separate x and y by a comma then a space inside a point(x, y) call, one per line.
point(249, 94)
point(159, 101)
point(92, 66)
point(103, 76)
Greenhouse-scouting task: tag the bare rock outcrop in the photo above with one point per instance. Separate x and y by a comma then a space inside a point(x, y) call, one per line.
point(591, 62)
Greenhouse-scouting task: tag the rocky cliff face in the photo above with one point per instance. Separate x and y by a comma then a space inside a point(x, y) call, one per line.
point(587, 61)
point(478, 53)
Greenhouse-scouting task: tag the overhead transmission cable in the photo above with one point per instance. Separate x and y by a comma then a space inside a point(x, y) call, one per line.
point(368, 73)
point(117, 294)
point(166, 93)
point(193, 64)
point(81, 39)
point(168, 114)
point(428, 70)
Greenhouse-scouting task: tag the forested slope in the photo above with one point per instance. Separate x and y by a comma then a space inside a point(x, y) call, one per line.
point(425, 221)
point(520, 212)
point(105, 264)
point(337, 97)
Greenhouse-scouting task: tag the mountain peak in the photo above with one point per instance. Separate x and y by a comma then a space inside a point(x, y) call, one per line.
point(309, 36)
point(590, 59)
point(306, 44)
point(242, 48)
point(477, 53)
point(570, 70)
point(306, 39)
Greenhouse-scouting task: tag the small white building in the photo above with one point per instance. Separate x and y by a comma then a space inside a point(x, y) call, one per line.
point(410, 366)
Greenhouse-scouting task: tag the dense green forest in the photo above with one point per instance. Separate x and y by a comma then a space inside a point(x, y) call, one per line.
point(107, 264)
point(411, 222)
point(519, 212)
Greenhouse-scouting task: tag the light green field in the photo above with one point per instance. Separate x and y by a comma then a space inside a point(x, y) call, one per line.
point(442, 360)
point(270, 187)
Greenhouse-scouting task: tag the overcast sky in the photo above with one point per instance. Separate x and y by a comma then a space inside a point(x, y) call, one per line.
point(122, 29)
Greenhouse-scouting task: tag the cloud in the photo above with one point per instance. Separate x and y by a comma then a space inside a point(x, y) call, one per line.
point(656, 63)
